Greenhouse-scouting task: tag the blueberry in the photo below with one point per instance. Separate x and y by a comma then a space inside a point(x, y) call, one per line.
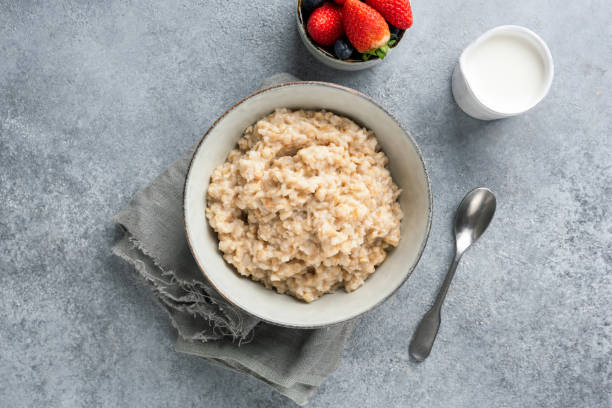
point(394, 30)
point(343, 49)
point(310, 5)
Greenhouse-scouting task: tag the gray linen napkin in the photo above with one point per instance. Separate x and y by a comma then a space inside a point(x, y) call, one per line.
point(294, 362)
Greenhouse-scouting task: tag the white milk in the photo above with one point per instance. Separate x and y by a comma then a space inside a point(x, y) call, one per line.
point(506, 72)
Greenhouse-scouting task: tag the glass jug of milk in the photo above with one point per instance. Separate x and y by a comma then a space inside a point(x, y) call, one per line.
point(506, 71)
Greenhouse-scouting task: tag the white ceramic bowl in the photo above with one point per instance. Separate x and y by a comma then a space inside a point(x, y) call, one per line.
point(407, 169)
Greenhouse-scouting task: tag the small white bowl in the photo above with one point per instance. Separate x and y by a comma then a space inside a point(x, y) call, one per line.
point(407, 169)
point(465, 96)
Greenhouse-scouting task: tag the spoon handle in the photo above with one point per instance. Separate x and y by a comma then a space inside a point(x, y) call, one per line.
point(426, 332)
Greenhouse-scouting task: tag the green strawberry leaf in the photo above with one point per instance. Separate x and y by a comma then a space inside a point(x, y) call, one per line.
point(378, 53)
point(382, 51)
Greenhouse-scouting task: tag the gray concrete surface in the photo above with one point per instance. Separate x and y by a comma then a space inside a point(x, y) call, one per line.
point(96, 98)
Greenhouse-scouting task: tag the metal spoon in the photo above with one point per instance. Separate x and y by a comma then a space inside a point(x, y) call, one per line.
point(471, 219)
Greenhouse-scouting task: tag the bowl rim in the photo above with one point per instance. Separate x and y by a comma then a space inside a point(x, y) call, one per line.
point(327, 55)
point(430, 204)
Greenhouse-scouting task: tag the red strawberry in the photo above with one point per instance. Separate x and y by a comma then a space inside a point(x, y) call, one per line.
point(325, 24)
point(365, 28)
point(396, 12)
point(340, 1)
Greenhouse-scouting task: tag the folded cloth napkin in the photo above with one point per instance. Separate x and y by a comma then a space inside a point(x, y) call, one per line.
point(293, 361)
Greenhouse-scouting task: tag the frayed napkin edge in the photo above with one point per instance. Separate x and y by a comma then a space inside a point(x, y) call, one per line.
point(219, 326)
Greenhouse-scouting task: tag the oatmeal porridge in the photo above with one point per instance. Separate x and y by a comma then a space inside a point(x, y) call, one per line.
point(305, 203)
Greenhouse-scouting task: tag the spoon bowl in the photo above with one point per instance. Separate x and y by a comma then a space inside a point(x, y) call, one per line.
point(473, 217)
